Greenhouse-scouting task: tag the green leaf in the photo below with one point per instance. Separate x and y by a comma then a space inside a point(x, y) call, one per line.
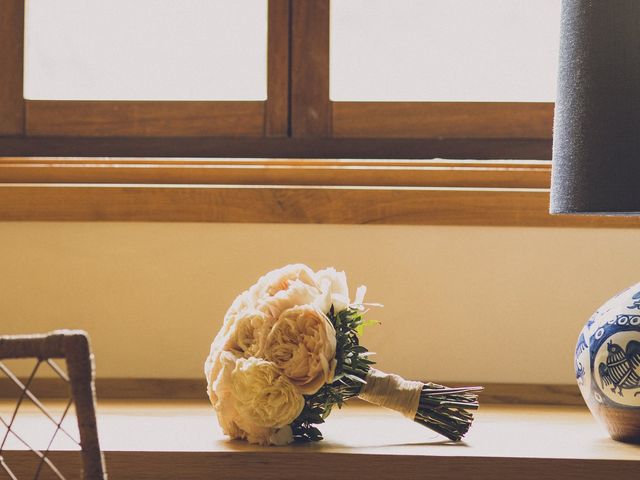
point(365, 323)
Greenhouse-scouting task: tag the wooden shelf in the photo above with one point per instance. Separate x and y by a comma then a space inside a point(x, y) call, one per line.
point(181, 439)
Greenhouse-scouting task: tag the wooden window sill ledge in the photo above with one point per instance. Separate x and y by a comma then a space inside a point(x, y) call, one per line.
point(181, 439)
point(416, 192)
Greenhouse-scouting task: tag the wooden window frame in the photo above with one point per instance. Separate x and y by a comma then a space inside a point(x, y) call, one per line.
point(297, 120)
point(315, 115)
point(276, 161)
point(37, 118)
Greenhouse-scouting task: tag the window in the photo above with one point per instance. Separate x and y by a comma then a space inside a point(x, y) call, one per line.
point(187, 134)
point(256, 80)
point(119, 68)
point(443, 68)
point(444, 50)
point(122, 50)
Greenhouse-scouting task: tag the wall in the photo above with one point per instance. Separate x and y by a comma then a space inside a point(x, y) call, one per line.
point(461, 303)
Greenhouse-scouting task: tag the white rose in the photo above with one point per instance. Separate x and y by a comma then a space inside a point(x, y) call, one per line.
point(335, 291)
point(302, 344)
point(218, 369)
point(263, 397)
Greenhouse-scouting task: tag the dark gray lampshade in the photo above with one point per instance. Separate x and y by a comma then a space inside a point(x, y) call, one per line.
point(596, 146)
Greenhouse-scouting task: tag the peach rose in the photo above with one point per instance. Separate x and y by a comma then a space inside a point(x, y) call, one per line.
point(297, 293)
point(247, 333)
point(284, 288)
point(280, 279)
point(302, 345)
point(297, 284)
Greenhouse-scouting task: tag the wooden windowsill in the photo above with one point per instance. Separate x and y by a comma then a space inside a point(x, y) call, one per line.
point(419, 192)
point(180, 439)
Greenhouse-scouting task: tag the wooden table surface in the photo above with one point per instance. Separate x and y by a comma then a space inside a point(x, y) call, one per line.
point(181, 439)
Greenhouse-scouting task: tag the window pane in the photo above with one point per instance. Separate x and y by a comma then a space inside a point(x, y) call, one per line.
point(444, 50)
point(146, 49)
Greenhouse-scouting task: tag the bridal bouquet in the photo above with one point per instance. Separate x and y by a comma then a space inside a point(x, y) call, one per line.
point(289, 351)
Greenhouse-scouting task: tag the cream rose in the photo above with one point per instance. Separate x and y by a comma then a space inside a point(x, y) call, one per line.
point(218, 369)
point(227, 338)
point(240, 306)
point(284, 288)
point(280, 279)
point(297, 293)
point(297, 284)
point(263, 396)
point(238, 423)
point(302, 345)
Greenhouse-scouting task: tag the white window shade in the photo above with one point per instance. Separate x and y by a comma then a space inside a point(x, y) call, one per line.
point(444, 50)
point(146, 50)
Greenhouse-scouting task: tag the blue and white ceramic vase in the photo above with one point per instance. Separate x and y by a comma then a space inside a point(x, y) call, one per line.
point(607, 364)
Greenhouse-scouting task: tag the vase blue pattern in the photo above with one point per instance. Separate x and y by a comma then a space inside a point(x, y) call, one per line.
point(607, 364)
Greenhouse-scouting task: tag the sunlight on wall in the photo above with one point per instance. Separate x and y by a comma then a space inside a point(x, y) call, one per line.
point(461, 303)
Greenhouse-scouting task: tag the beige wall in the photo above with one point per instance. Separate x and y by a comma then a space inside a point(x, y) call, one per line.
point(461, 303)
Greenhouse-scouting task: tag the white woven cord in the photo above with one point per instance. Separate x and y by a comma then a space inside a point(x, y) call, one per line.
point(392, 391)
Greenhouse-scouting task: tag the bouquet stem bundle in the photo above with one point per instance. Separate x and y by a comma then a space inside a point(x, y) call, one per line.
point(442, 409)
point(446, 410)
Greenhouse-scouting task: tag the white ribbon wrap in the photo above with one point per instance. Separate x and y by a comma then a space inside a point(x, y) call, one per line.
point(392, 391)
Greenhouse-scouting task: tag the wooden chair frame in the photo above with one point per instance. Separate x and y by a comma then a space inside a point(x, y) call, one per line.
point(73, 346)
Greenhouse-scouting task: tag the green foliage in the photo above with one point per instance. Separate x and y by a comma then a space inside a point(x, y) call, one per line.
point(352, 366)
point(366, 323)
